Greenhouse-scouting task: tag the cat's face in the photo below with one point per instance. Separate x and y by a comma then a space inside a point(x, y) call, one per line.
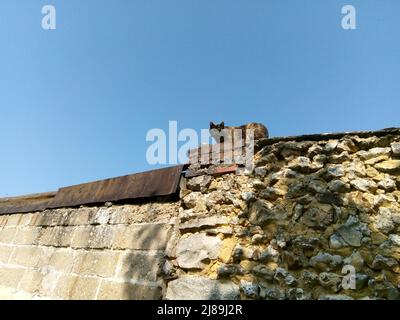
point(218, 127)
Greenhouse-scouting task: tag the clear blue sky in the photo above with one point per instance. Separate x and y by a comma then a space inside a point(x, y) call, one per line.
point(76, 103)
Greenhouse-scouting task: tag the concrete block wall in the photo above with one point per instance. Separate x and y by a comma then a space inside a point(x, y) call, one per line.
point(114, 252)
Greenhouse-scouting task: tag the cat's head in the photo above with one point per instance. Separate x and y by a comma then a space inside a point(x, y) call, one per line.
point(218, 127)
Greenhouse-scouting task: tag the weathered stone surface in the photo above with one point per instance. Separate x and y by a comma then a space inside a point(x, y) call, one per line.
point(352, 231)
point(325, 261)
point(331, 281)
point(195, 251)
point(338, 186)
point(318, 217)
point(96, 263)
point(390, 166)
point(380, 262)
point(373, 153)
point(334, 171)
point(331, 146)
point(387, 184)
point(76, 288)
point(262, 212)
point(142, 236)
point(395, 148)
point(26, 256)
point(384, 220)
point(110, 290)
point(364, 185)
point(304, 165)
point(199, 183)
point(335, 297)
point(10, 277)
point(201, 222)
point(200, 288)
point(271, 293)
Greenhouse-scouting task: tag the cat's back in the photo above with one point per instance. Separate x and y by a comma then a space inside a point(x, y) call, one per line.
point(260, 131)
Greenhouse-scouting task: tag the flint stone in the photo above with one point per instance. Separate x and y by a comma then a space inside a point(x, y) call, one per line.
point(384, 220)
point(200, 288)
point(387, 184)
point(304, 165)
point(262, 212)
point(330, 280)
point(364, 185)
point(204, 222)
point(395, 148)
point(318, 217)
point(380, 262)
point(335, 297)
point(338, 186)
point(373, 153)
point(326, 261)
point(331, 145)
point(249, 289)
point(352, 231)
point(390, 166)
point(298, 294)
point(198, 183)
point(335, 171)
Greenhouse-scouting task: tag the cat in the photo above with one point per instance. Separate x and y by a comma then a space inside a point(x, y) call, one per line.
point(219, 131)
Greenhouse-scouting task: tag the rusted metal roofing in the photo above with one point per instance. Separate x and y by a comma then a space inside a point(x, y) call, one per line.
point(28, 203)
point(155, 183)
point(161, 182)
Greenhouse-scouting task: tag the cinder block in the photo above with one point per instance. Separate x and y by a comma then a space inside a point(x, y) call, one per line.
point(96, 263)
point(26, 256)
point(7, 235)
point(61, 236)
point(76, 288)
point(126, 291)
point(145, 236)
point(45, 256)
point(31, 281)
point(5, 252)
point(46, 236)
point(82, 216)
point(122, 215)
point(46, 218)
point(3, 220)
point(102, 237)
point(49, 282)
point(139, 266)
point(13, 220)
point(62, 260)
point(25, 219)
point(81, 236)
point(10, 277)
point(27, 235)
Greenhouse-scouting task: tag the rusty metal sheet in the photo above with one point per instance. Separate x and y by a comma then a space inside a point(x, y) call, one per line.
point(161, 182)
point(28, 203)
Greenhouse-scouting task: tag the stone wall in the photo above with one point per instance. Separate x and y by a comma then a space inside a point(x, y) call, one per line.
point(296, 227)
point(309, 214)
point(113, 252)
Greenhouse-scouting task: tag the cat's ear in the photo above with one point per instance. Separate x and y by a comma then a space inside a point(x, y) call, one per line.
point(222, 124)
point(212, 125)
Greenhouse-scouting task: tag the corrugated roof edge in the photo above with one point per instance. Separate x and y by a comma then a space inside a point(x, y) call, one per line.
point(150, 184)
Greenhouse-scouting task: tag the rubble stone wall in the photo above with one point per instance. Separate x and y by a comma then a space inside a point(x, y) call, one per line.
point(314, 220)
